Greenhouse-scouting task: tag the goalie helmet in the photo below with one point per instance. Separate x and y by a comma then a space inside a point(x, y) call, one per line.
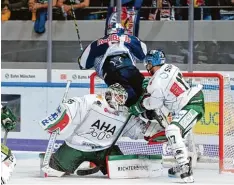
point(115, 28)
point(116, 96)
point(154, 58)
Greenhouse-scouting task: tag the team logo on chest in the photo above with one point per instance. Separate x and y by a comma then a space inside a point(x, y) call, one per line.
point(104, 127)
point(102, 130)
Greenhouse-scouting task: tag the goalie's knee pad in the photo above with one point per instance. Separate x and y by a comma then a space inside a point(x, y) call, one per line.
point(175, 139)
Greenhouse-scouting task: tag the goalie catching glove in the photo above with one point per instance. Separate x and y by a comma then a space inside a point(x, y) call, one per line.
point(60, 119)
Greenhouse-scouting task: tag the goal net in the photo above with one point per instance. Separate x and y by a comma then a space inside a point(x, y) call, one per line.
point(213, 135)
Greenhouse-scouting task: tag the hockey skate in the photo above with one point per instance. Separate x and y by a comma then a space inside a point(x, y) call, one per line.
point(185, 171)
point(174, 171)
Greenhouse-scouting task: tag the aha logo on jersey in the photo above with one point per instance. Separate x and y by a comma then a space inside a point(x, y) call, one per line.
point(102, 130)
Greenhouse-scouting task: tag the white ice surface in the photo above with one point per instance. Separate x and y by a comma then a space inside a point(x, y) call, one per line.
point(27, 172)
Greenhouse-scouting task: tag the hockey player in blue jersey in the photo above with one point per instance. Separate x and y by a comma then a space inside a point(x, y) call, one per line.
point(113, 57)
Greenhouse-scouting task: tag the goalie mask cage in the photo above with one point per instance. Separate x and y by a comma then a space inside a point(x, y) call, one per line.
point(213, 134)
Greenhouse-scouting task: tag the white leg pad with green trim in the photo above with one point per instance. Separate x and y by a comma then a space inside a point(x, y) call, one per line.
point(47, 169)
point(52, 172)
point(134, 166)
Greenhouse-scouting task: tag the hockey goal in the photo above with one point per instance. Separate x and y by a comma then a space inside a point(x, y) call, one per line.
point(213, 135)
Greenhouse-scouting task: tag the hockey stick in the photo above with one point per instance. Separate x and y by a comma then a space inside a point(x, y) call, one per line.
point(53, 136)
point(49, 151)
point(5, 137)
point(108, 151)
point(76, 26)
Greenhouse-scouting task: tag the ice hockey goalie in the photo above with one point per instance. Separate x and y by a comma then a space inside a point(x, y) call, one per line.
point(8, 160)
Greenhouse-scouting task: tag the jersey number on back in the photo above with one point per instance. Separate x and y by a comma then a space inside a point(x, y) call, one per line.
point(176, 86)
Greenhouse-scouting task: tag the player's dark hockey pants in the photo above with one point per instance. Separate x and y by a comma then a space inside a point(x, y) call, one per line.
point(68, 159)
point(127, 76)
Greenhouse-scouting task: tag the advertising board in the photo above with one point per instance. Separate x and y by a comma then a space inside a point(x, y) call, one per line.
point(32, 99)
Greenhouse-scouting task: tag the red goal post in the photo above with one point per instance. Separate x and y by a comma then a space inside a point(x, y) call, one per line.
point(216, 101)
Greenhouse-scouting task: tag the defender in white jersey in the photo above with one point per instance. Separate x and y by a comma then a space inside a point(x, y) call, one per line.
point(8, 160)
point(167, 88)
point(90, 123)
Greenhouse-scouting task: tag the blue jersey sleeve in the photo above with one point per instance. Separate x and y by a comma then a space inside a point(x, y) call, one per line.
point(93, 51)
point(137, 47)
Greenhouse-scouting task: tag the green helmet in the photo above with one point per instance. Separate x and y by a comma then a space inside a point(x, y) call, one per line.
point(116, 95)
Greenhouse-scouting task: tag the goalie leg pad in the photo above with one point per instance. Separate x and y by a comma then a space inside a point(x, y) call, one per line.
point(134, 166)
point(53, 169)
point(52, 172)
point(67, 158)
point(100, 155)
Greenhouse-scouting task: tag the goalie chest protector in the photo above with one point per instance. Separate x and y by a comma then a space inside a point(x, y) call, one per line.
point(101, 125)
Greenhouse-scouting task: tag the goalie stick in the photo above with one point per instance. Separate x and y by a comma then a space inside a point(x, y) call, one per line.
point(53, 136)
point(89, 171)
point(5, 137)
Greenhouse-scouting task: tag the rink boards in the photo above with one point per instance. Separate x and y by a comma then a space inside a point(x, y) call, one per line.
point(36, 99)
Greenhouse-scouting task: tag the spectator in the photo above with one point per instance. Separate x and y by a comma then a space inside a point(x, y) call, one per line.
point(67, 6)
point(163, 12)
point(226, 13)
point(39, 13)
point(93, 13)
point(9, 5)
point(217, 13)
point(35, 5)
point(197, 11)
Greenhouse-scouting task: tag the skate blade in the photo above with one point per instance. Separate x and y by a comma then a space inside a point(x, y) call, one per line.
point(189, 179)
point(174, 176)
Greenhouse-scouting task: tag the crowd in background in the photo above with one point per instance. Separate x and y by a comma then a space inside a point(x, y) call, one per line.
point(151, 9)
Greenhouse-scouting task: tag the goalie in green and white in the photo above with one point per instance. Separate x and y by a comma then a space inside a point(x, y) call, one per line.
point(167, 88)
point(8, 160)
point(90, 124)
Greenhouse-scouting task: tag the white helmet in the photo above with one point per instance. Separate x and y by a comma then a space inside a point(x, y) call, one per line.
point(116, 95)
